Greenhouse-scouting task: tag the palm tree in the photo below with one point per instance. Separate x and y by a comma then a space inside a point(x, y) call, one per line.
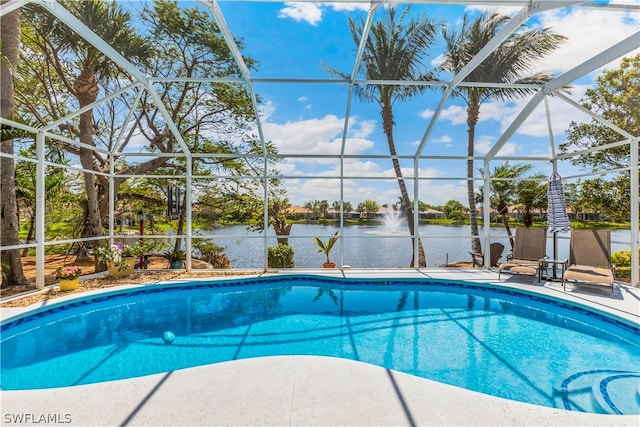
point(531, 195)
point(395, 50)
point(506, 64)
point(112, 24)
point(55, 182)
point(504, 191)
point(12, 273)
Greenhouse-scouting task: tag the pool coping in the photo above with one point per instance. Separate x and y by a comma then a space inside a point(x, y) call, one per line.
point(305, 390)
point(598, 300)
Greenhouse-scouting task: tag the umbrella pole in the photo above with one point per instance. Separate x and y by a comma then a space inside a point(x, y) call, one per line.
point(555, 251)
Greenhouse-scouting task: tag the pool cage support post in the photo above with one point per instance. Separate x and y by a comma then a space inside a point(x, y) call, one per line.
point(188, 201)
point(416, 217)
point(40, 210)
point(486, 215)
point(142, 216)
point(635, 214)
point(112, 196)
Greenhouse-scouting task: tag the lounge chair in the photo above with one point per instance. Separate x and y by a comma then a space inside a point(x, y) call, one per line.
point(495, 252)
point(590, 259)
point(529, 248)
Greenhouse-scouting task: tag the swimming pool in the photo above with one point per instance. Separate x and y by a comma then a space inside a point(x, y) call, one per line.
point(494, 341)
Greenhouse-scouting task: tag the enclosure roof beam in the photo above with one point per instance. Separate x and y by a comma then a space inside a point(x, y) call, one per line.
point(244, 69)
point(619, 49)
point(514, 23)
point(594, 115)
point(86, 33)
point(11, 5)
point(354, 72)
point(88, 107)
point(228, 37)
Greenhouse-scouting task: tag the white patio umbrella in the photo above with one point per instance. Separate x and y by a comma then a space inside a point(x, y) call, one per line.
point(558, 220)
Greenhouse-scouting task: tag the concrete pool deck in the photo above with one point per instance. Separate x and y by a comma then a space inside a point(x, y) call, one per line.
point(310, 391)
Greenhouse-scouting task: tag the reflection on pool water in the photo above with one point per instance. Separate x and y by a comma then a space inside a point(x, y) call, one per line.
point(489, 340)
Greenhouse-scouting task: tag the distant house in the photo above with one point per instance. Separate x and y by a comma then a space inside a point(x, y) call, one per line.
point(300, 212)
point(332, 214)
point(431, 214)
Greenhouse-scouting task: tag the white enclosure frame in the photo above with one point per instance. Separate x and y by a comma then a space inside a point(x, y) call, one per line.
point(528, 9)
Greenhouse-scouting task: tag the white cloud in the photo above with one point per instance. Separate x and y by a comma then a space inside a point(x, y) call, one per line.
point(505, 112)
point(584, 30)
point(304, 100)
point(364, 128)
point(438, 193)
point(456, 114)
point(505, 10)
point(561, 113)
point(347, 7)
point(266, 110)
point(319, 136)
point(312, 12)
point(307, 12)
point(438, 60)
point(497, 111)
point(427, 114)
point(484, 143)
point(444, 139)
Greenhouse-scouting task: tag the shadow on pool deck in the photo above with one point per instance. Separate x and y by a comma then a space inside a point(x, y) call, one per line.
point(282, 390)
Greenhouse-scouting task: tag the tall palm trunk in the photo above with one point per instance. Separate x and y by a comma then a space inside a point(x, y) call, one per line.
point(86, 91)
point(503, 210)
point(12, 273)
point(30, 234)
point(473, 112)
point(387, 124)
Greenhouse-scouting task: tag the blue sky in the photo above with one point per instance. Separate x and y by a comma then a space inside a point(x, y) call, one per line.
point(294, 40)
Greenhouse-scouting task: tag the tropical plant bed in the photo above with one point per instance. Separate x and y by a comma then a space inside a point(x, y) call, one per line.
point(52, 262)
point(109, 281)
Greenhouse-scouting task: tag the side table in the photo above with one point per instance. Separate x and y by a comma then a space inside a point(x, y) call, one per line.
point(555, 265)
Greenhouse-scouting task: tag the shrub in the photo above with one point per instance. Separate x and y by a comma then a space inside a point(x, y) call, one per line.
point(280, 256)
point(219, 261)
point(212, 253)
point(621, 258)
point(175, 255)
point(456, 215)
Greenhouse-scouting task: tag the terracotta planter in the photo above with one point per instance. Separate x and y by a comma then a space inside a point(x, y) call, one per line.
point(329, 265)
point(69, 284)
point(113, 269)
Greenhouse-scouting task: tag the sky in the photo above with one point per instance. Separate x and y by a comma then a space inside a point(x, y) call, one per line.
point(298, 40)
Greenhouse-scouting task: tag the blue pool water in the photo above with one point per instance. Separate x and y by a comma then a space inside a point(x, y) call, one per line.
point(493, 341)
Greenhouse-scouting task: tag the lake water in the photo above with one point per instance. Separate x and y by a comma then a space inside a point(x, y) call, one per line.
point(377, 246)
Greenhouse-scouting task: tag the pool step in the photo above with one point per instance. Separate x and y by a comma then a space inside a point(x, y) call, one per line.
point(600, 391)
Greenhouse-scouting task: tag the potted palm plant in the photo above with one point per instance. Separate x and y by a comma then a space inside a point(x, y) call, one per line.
point(175, 258)
point(325, 248)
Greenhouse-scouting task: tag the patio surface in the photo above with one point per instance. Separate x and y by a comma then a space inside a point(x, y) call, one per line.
point(310, 391)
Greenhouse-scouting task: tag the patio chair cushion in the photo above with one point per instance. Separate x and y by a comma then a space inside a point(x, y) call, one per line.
point(589, 274)
point(590, 259)
point(523, 266)
point(529, 249)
